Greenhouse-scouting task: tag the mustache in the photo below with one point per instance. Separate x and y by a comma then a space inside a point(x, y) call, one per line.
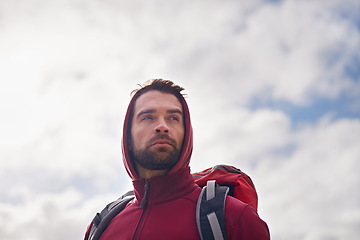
point(162, 137)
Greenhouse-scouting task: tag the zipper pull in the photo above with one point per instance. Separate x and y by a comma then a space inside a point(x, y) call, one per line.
point(146, 187)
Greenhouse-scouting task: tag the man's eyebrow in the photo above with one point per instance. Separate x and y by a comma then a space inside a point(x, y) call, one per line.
point(174, 111)
point(147, 111)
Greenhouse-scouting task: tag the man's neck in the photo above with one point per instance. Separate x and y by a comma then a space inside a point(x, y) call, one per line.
point(146, 173)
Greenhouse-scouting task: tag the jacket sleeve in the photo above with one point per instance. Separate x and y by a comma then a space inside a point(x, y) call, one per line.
point(246, 225)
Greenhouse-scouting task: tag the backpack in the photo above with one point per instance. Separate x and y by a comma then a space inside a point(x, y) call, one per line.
point(216, 183)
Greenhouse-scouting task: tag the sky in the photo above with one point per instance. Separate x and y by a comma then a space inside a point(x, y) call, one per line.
point(273, 89)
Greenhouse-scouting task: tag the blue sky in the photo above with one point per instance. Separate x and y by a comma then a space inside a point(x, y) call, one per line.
point(337, 108)
point(273, 89)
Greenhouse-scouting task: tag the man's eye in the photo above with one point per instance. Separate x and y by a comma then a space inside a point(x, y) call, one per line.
point(147, 118)
point(175, 118)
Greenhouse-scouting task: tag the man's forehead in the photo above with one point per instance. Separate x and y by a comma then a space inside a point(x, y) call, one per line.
point(154, 99)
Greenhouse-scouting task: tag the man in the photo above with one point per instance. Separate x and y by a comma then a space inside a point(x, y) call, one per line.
point(157, 145)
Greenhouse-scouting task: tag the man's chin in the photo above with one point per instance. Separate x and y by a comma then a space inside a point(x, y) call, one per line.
point(162, 156)
point(157, 158)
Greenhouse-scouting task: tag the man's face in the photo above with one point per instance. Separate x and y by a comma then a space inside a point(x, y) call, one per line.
point(157, 130)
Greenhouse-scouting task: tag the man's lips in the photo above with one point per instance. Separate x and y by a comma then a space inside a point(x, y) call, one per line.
point(162, 140)
point(161, 143)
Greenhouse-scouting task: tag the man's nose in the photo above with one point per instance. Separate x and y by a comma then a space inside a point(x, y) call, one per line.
point(161, 127)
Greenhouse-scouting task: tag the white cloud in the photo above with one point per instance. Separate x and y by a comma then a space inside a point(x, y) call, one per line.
point(60, 215)
point(319, 179)
point(238, 137)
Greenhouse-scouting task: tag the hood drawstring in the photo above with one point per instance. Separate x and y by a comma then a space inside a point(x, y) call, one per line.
point(146, 187)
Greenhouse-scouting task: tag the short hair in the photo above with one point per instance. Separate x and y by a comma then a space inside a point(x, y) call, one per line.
point(165, 86)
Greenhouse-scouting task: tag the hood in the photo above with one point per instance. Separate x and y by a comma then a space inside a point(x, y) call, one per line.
point(186, 148)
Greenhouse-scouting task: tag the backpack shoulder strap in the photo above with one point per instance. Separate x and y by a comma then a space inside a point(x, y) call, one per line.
point(102, 219)
point(210, 211)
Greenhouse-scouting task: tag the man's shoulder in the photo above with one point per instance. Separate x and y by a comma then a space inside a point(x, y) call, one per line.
point(243, 222)
point(235, 204)
point(236, 210)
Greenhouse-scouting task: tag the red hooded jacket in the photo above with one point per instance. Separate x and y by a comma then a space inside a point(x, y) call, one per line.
point(165, 207)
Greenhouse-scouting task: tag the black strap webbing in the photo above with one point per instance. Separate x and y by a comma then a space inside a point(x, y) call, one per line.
point(102, 219)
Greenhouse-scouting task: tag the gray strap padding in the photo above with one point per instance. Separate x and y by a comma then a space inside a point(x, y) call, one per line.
point(215, 226)
point(210, 191)
point(198, 206)
point(210, 211)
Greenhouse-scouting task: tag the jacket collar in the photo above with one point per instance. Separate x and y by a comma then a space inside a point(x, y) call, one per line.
point(160, 189)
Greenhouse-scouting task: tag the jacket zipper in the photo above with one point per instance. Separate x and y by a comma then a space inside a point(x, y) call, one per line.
point(142, 206)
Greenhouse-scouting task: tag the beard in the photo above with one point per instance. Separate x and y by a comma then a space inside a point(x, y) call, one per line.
point(161, 158)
